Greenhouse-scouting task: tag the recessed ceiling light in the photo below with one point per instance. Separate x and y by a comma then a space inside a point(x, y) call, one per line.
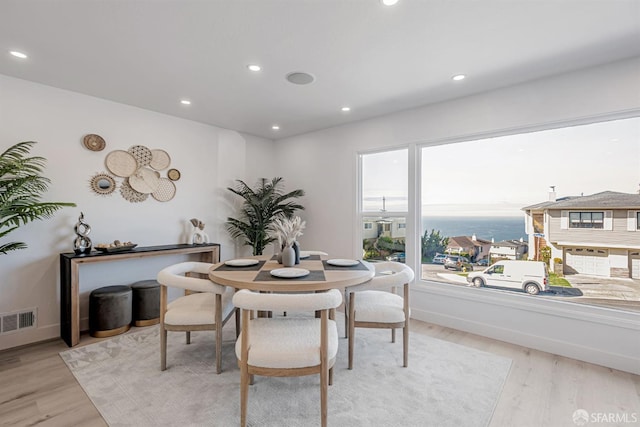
point(459, 77)
point(254, 67)
point(275, 127)
point(389, 2)
point(18, 54)
point(345, 109)
point(185, 102)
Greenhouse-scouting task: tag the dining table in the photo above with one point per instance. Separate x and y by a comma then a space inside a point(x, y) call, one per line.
point(314, 273)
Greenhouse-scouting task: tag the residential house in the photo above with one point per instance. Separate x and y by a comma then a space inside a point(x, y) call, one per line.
point(509, 249)
point(396, 228)
point(476, 249)
point(597, 234)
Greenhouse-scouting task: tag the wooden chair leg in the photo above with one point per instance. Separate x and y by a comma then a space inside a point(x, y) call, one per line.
point(218, 333)
point(188, 337)
point(163, 348)
point(237, 310)
point(324, 366)
point(351, 328)
point(244, 394)
point(393, 335)
point(346, 314)
point(163, 331)
point(405, 345)
point(324, 378)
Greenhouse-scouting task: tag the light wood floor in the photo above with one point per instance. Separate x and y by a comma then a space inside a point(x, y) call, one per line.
point(542, 389)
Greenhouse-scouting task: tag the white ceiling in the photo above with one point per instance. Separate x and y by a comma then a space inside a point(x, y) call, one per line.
point(373, 58)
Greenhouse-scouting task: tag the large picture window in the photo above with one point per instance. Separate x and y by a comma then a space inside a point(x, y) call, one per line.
point(515, 198)
point(384, 204)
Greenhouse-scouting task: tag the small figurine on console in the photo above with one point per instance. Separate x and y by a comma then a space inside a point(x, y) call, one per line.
point(82, 242)
point(198, 235)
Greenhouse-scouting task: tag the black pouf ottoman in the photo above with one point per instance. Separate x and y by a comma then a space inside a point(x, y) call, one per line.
point(146, 303)
point(110, 311)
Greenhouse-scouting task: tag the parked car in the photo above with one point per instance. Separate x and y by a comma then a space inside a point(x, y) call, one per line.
point(397, 256)
point(483, 262)
point(456, 262)
point(439, 258)
point(530, 276)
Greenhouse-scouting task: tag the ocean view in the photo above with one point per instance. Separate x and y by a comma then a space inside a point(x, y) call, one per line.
point(498, 228)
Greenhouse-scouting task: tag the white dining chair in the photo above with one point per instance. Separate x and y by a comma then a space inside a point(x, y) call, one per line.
point(287, 346)
point(376, 304)
point(205, 306)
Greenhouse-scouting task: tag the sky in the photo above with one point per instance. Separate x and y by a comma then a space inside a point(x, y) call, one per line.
point(499, 176)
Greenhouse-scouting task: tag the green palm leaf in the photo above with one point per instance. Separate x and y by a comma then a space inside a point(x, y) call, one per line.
point(21, 188)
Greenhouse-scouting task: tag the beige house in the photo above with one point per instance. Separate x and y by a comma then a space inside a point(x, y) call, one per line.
point(598, 234)
point(476, 248)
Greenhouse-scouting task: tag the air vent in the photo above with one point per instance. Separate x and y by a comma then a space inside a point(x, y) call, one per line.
point(16, 321)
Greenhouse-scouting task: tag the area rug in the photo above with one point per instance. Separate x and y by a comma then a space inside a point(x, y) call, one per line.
point(445, 384)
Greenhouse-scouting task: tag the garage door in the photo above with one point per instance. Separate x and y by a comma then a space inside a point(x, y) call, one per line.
point(635, 265)
point(588, 261)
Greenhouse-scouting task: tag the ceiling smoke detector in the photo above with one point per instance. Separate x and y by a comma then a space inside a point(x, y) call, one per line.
point(300, 78)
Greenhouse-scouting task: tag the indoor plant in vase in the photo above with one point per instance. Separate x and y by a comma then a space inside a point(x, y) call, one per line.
point(287, 230)
point(260, 207)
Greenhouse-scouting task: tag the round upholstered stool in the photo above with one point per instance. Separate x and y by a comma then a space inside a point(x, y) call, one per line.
point(110, 311)
point(146, 303)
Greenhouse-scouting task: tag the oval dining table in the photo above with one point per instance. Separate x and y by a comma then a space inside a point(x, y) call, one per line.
point(322, 275)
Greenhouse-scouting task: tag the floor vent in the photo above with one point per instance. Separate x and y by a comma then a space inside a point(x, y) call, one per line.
point(12, 322)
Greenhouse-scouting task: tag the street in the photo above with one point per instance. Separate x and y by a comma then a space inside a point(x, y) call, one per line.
point(608, 292)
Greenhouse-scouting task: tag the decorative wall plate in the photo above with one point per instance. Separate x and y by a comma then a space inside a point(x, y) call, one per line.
point(144, 180)
point(130, 194)
point(94, 142)
point(142, 155)
point(166, 190)
point(103, 184)
point(120, 163)
point(160, 160)
point(173, 174)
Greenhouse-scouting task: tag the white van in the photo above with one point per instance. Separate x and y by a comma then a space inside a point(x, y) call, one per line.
point(530, 276)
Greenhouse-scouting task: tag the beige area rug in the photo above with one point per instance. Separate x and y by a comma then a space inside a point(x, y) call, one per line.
point(445, 384)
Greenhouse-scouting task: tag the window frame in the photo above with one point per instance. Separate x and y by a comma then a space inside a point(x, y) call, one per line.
point(408, 215)
point(555, 326)
point(583, 222)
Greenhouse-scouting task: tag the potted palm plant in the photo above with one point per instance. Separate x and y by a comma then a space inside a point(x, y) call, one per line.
point(260, 207)
point(21, 188)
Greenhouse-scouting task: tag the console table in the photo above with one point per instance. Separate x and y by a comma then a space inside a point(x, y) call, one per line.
point(70, 276)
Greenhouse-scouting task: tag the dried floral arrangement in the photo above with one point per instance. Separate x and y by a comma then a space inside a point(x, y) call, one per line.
point(287, 230)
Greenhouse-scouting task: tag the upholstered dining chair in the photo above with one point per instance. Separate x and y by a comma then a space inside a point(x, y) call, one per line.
point(287, 346)
point(205, 306)
point(376, 304)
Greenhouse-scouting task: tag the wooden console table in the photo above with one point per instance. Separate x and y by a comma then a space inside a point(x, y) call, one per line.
point(70, 276)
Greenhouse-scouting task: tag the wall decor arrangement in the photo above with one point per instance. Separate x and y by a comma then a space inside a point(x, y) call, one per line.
point(140, 169)
point(102, 183)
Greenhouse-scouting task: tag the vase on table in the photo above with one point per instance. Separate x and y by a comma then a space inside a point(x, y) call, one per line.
point(288, 257)
point(296, 249)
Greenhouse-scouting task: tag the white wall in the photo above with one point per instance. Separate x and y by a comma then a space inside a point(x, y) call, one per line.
point(209, 158)
point(324, 164)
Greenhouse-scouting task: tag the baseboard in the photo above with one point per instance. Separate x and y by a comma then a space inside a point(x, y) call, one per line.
point(29, 336)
